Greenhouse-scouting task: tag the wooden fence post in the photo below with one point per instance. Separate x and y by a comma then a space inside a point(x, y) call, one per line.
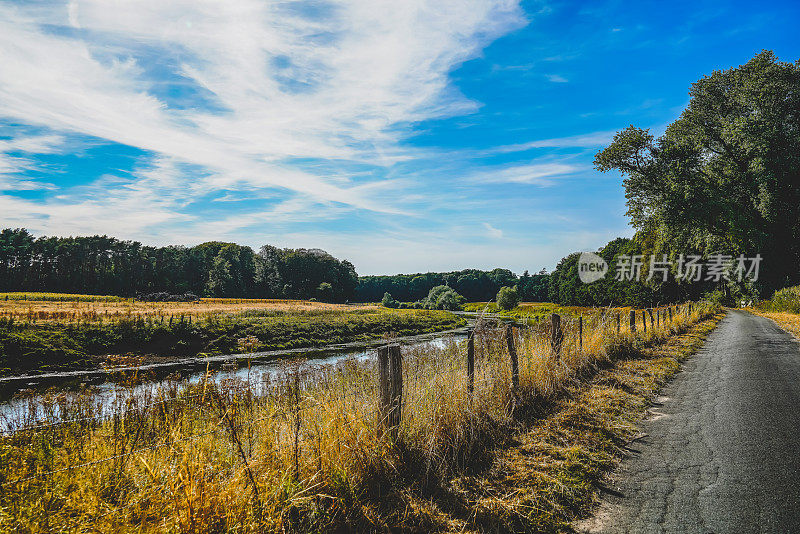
point(512, 352)
point(658, 317)
point(670, 313)
point(633, 321)
point(618, 323)
point(580, 332)
point(556, 334)
point(652, 319)
point(390, 390)
point(471, 361)
point(644, 321)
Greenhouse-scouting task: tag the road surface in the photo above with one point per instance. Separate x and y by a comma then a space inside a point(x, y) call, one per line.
point(721, 452)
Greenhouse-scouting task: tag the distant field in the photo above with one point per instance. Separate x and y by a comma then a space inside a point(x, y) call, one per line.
point(54, 335)
point(537, 310)
point(23, 296)
point(65, 307)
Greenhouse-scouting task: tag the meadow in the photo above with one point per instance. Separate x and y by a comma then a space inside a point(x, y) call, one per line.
point(50, 334)
point(536, 311)
point(304, 451)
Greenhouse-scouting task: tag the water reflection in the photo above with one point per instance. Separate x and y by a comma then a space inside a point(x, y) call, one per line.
point(33, 400)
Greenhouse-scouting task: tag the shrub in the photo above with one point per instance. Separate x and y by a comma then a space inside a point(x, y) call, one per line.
point(325, 292)
point(442, 298)
point(389, 302)
point(507, 298)
point(785, 300)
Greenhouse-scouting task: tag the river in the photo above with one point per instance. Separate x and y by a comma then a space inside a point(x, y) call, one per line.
point(21, 397)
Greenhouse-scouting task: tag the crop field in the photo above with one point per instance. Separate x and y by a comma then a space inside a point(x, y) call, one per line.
point(304, 451)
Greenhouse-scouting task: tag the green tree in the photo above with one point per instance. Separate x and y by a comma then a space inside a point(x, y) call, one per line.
point(507, 298)
point(220, 282)
point(443, 298)
point(388, 301)
point(725, 176)
point(325, 292)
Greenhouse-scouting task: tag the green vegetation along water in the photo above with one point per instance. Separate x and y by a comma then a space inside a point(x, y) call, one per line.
point(54, 346)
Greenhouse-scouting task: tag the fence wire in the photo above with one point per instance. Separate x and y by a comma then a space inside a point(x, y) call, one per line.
point(303, 384)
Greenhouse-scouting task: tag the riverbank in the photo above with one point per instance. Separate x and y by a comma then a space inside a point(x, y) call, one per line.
point(304, 454)
point(51, 346)
point(537, 311)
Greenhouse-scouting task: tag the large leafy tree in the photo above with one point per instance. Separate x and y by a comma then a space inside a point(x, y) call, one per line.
point(725, 176)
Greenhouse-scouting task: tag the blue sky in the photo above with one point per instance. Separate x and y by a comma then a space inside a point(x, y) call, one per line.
point(404, 136)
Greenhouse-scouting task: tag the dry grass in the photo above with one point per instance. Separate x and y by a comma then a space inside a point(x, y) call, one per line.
point(300, 453)
point(552, 474)
point(70, 309)
point(536, 311)
point(787, 321)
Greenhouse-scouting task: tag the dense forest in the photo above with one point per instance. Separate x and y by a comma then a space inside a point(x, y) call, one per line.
point(472, 284)
point(107, 266)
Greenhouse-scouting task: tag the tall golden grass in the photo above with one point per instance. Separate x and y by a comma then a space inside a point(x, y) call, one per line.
point(82, 308)
point(299, 452)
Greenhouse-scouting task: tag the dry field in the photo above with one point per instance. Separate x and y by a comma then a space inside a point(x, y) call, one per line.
point(75, 308)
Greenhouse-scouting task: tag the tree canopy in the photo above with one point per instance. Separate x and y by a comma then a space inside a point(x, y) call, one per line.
point(473, 284)
point(105, 265)
point(725, 176)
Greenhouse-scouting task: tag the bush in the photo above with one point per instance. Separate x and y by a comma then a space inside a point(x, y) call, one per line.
point(507, 298)
point(442, 298)
point(784, 300)
point(389, 302)
point(325, 292)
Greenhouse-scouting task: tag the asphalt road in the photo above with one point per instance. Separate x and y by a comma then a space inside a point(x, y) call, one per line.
point(722, 446)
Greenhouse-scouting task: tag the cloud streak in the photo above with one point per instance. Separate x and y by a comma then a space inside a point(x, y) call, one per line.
point(335, 83)
point(540, 174)
point(590, 140)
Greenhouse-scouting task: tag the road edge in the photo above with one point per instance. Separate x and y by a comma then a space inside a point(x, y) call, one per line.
point(552, 479)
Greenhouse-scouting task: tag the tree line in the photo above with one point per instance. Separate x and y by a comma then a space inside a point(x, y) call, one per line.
point(473, 284)
point(105, 265)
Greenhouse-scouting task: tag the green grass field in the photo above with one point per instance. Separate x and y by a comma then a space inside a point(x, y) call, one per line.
point(49, 345)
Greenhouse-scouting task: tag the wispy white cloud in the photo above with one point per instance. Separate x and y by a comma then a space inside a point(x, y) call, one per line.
point(556, 78)
point(13, 166)
point(36, 144)
point(337, 82)
point(575, 141)
point(541, 174)
point(492, 231)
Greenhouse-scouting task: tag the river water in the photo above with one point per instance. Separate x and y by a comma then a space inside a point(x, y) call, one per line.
point(23, 398)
